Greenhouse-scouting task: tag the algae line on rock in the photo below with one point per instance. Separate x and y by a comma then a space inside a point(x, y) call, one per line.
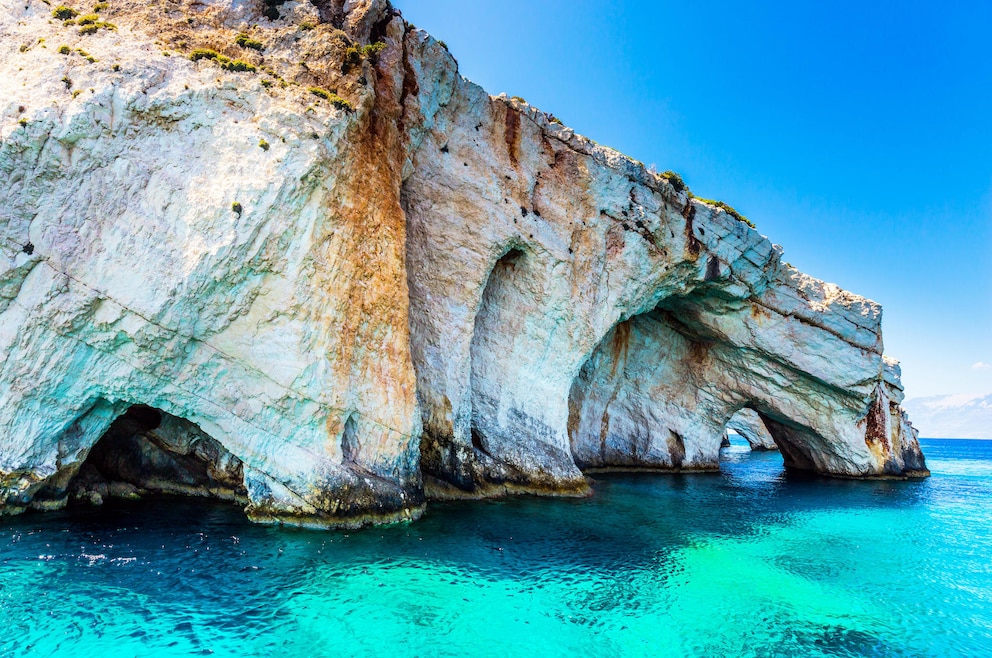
point(345, 279)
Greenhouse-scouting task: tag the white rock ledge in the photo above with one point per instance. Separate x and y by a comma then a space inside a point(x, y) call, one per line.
point(348, 304)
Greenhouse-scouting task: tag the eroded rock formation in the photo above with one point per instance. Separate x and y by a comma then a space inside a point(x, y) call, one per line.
point(749, 425)
point(145, 451)
point(364, 278)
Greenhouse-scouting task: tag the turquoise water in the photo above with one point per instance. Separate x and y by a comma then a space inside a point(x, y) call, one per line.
point(749, 562)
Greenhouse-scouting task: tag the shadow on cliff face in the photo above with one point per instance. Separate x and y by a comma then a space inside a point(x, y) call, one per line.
point(491, 445)
point(146, 451)
point(662, 387)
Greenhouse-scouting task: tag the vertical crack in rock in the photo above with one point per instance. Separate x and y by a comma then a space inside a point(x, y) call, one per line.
point(676, 448)
point(511, 134)
point(349, 442)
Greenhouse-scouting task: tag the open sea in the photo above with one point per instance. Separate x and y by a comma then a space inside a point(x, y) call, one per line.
point(749, 562)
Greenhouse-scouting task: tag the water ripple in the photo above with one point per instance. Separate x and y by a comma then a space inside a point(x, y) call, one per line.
point(751, 563)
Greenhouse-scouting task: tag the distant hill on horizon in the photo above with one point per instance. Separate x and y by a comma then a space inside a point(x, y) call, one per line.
point(961, 416)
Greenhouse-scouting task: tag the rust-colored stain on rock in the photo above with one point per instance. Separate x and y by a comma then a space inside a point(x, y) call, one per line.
point(876, 436)
point(511, 134)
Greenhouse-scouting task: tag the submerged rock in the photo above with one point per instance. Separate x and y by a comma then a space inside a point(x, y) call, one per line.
point(355, 277)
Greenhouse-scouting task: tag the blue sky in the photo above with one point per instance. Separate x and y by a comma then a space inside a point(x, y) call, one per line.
point(857, 135)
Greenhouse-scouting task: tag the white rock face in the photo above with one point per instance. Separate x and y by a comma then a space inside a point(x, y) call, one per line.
point(595, 316)
point(434, 283)
point(270, 324)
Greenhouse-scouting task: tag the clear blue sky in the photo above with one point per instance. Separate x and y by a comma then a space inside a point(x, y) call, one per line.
point(858, 135)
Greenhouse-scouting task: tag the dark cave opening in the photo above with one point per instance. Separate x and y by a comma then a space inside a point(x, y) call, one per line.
point(747, 424)
point(349, 441)
point(146, 451)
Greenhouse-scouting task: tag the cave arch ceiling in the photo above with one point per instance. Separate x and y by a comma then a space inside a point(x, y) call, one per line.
point(659, 392)
point(145, 450)
point(605, 241)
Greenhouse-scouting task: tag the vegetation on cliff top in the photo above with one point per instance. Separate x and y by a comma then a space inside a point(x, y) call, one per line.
point(675, 180)
point(728, 209)
point(225, 62)
point(246, 41)
point(335, 100)
point(316, 58)
point(64, 13)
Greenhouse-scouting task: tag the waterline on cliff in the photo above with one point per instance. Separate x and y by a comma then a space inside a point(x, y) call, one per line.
point(747, 563)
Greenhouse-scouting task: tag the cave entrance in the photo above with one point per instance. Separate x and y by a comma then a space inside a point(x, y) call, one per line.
point(635, 405)
point(147, 451)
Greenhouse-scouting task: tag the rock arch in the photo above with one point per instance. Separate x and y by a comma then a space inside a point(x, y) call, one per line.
point(123, 449)
point(747, 422)
point(477, 437)
point(663, 400)
point(497, 321)
point(631, 260)
point(640, 401)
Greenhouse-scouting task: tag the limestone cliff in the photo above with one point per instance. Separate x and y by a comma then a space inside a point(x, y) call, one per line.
point(350, 276)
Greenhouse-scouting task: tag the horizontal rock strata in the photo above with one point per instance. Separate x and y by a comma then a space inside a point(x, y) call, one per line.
point(356, 280)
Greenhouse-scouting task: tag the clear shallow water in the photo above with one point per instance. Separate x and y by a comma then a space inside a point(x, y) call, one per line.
point(747, 563)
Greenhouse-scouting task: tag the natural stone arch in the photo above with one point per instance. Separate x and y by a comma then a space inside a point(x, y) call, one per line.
point(769, 430)
point(661, 387)
point(569, 238)
point(347, 285)
point(748, 424)
point(642, 401)
point(628, 245)
point(120, 449)
point(483, 437)
point(280, 491)
point(450, 447)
